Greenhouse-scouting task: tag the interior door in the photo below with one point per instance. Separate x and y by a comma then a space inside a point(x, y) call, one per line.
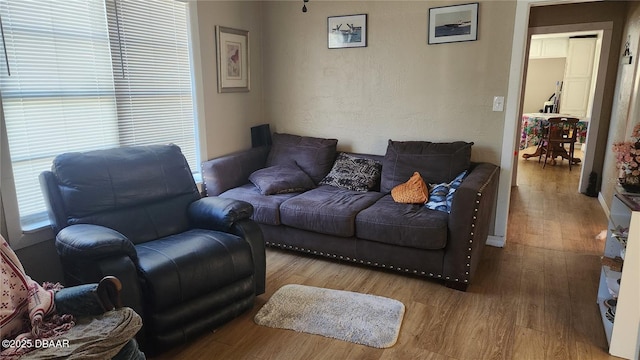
point(577, 78)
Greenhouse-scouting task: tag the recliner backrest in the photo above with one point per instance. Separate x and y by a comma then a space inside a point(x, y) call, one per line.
point(141, 191)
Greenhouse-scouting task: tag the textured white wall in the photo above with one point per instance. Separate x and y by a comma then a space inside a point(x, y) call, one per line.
point(626, 103)
point(228, 116)
point(542, 75)
point(398, 87)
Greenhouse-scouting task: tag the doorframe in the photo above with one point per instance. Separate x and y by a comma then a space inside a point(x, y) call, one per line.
point(509, 154)
point(605, 29)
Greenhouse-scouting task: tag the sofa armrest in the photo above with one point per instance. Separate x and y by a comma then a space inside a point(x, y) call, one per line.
point(469, 222)
point(216, 213)
point(233, 170)
point(88, 241)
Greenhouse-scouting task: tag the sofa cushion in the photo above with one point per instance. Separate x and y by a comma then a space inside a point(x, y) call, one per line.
point(266, 208)
point(281, 179)
point(436, 162)
point(414, 191)
point(315, 156)
point(326, 209)
point(407, 225)
point(353, 173)
point(174, 272)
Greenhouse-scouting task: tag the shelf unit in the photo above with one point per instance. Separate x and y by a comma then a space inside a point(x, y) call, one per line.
point(623, 333)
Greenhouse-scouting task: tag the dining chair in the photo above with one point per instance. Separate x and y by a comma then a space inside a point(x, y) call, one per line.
point(560, 132)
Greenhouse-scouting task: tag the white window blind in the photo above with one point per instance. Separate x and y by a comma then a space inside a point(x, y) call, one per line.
point(59, 95)
point(152, 73)
point(82, 75)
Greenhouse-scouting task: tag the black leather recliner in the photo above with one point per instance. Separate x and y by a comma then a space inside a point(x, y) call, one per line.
point(187, 264)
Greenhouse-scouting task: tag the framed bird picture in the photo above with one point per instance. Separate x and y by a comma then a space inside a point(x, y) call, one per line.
point(347, 31)
point(233, 59)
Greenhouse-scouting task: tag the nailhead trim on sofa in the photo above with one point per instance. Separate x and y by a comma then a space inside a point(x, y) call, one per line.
point(392, 267)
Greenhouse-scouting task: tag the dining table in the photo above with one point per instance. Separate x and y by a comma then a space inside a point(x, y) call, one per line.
point(533, 125)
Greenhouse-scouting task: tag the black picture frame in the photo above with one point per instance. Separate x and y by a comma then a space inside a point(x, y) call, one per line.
point(456, 23)
point(347, 31)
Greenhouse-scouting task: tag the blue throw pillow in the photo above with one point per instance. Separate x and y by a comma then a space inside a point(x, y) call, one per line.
point(441, 195)
point(438, 197)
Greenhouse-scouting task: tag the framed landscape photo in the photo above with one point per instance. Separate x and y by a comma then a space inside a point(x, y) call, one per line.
point(233, 59)
point(453, 23)
point(347, 31)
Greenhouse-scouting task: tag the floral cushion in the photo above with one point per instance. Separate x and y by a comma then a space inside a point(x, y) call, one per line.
point(353, 173)
point(441, 195)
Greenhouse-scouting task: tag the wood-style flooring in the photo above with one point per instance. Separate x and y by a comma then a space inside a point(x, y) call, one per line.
point(533, 299)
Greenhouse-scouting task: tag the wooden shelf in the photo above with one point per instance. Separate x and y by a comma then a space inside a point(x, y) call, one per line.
point(620, 279)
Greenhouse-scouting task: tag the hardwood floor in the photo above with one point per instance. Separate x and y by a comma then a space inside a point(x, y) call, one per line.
point(533, 299)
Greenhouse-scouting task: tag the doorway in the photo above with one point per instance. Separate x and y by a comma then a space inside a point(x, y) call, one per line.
point(551, 56)
point(513, 105)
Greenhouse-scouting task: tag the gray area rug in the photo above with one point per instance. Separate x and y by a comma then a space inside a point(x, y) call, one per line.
point(358, 318)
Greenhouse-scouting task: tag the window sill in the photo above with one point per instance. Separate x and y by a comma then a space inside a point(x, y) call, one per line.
point(35, 234)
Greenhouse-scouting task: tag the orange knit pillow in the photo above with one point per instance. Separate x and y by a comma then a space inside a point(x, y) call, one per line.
point(413, 191)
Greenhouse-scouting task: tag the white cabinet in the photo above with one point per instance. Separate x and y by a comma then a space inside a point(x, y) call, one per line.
point(623, 330)
point(576, 89)
point(544, 48)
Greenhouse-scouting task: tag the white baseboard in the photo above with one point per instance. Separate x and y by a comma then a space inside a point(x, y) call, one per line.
point(603, 204)
point(495, 241)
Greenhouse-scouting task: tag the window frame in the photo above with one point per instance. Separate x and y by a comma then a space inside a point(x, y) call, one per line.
point(21, 237)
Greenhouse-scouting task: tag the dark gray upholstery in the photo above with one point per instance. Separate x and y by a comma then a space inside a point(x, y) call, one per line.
point(406, 225)
point(315, 156)
point(369, 228)
point(436, 162)
point(327, 210)
point(266, 209)
point(281, 179)
point(188, 264)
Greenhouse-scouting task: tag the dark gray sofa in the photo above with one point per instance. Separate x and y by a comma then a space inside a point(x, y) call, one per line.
point(369, 227)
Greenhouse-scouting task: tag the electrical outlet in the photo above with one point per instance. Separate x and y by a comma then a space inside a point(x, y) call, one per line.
point(498, 103)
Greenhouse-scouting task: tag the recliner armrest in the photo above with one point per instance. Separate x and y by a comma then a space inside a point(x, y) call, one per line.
point(216, 213)
point(93, 242)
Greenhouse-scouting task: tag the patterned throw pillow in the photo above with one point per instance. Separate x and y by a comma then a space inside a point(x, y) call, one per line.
point(353, 173)
point(413, 191)
point(441, 195)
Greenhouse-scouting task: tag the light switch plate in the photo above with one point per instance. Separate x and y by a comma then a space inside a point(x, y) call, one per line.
point(498, 103)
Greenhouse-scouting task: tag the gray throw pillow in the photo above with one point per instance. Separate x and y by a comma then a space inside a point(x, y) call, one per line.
point(436, 162)
point(353, 173)
point(281, 179)
point(314, 156)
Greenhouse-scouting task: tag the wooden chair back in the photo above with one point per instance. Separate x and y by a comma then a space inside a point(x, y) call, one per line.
point(560, 131)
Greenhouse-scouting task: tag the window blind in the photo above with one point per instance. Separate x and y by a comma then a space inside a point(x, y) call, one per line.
point(78, 76)
point(152, 73)
point(60, 95)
